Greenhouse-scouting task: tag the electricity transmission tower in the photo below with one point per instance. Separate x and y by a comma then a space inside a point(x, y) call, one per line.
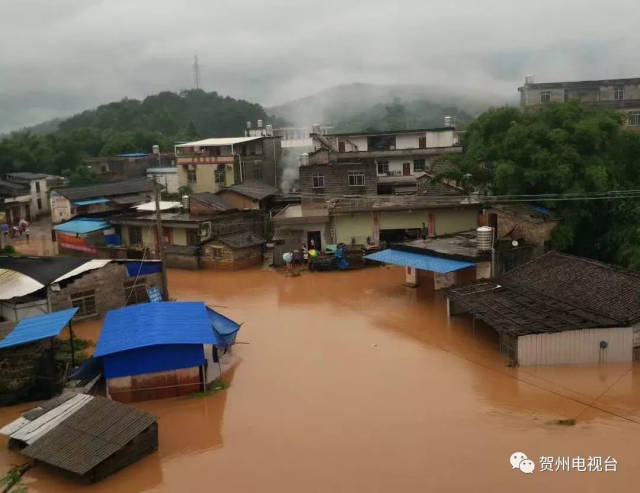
point(196, 73)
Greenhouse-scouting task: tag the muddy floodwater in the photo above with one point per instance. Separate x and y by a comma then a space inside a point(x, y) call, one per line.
point(351, 382)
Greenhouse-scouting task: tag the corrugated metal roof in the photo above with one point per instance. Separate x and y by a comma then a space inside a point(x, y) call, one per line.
point(82, 226)
point(90, 265)
point(14, 284)
point(150, 324)
point(419, 261)
point(39, 327)
point(225, 141)
point(165, 205)
point(101, 200)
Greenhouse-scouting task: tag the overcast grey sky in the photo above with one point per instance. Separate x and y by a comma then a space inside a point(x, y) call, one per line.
point(58, 57)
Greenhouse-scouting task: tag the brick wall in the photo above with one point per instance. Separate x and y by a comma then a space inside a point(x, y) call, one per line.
point(336, 180)
point(228, 258)
point(108, 284)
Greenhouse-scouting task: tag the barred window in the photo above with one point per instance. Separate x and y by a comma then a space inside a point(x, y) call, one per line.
point(191, 176)
point(135, 291)
point(135, 235)
point(356, 179)
point(383, 167)
point(216, 252)
point(220, 175)
point(618, 94)
point(419, 165)
point(85, 302)
point(634, 118)
point(545, 97)
point(318, 181)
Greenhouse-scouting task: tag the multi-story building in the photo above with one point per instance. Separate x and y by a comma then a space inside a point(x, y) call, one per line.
point(292, 137)
point(210, 165)
point(37, 186)
point(618, 94)
point(398, 157)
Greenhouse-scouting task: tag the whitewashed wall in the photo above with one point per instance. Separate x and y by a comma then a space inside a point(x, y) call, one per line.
point(576, 346)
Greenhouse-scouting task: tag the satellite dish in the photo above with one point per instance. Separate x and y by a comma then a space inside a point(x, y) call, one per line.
point(514, 243)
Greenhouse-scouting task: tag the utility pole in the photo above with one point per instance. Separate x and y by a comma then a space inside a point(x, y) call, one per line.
point(196, 73)
point(159, 245)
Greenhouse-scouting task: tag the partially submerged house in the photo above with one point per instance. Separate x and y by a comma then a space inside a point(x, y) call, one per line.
point(28, 367)
point(558, 309)
point(233, 251)
point(164, 349)
point(36, 285)
point(82, 436)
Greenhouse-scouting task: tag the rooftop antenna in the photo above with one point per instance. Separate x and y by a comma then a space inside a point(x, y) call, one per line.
point(196, 73)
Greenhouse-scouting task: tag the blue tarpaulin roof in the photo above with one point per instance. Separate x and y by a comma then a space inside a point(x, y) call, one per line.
point(143, 267)
point(419, 261)
point(91, 201)
point(151, 324)
point(224, 328)
point(39, 327)
point(133, 154)
point(82, 225)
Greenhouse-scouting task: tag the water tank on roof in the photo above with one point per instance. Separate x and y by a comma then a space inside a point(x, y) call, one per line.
point(485, 238)
point(259, 123)
point(155, 149)
point(185, 202)
point(529, 79)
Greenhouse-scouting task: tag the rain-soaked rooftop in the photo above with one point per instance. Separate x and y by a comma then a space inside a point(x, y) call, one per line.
point(351, 382)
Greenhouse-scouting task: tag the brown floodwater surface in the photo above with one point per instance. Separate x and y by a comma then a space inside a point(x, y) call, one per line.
point(349, 382)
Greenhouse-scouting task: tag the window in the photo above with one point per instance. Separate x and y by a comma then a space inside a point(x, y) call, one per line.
point(39, 204)
point(418, 165)
point(618, 93)
point(381, 142)
point(135, 291)
point(135, 235)
point(422, 142)
point(545, 97)
point(191, 176)
point(257, 171)
point(258, 147)
point(220, 175)
point(217, 252)
point(37, 187)
point(318, 181)
point(634, 118)
point(192, 237)
point(85, 302)
point(356, 179)
point(383, 167)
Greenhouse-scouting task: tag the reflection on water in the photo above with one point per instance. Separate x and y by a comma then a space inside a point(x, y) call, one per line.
point(350, 381)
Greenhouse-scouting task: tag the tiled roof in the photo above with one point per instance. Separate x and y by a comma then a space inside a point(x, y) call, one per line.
point(241, 240)
point(127, 187)
point(254, 189)
point(553, 293)
point(212, 201)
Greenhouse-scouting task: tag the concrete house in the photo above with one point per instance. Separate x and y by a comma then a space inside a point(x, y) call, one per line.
point(209, 165)
point(558, 309)
point(250, 194)
point(38, 186)
point(617, 94)
point(398, 156)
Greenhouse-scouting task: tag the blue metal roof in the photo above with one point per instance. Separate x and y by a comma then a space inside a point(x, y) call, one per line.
point(82, 225)
point(133, 154)
point(39, 327)
point(101, 200)
point(224, 328)
point(419, 261)
point(150, 324)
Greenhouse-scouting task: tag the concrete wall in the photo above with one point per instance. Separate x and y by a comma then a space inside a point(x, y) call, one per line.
point(576, 346)
point(157, 385)
point(239, 201)
point(353, 228)
point(60, 208)
point(17, 311)
point(167, 180)
point(229, 258)
point(513, 227)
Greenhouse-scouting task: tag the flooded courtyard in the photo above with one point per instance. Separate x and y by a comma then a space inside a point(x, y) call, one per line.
point(349, 381)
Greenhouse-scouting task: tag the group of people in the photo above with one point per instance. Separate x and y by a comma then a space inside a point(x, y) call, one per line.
point(16, 230)
point(294, 258)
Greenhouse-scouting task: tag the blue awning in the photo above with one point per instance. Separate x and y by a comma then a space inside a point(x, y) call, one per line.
point(419, 261)
point(39, 327)
point(91, 201)
point(224, 329)
point(82, 226)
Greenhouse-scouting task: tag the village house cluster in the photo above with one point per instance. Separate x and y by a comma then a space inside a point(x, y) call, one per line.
point(362, 198)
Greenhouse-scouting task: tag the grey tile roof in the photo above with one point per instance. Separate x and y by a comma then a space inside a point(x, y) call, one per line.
point(212, 201)
point(242, 240)
point(553, 293)
point(254, 189)
point(127, 187)
point(9, 188)
point(90, 435)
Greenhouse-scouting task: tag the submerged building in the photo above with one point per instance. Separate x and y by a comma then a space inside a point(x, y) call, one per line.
point(558, 309)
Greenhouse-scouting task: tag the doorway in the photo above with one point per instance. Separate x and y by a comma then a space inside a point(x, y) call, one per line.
point(316, 238)
point(406, 169)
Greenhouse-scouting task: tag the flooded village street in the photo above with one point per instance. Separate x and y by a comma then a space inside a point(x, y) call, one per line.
point(349, 381)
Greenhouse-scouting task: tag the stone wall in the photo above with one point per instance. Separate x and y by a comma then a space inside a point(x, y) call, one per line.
point(28, 372)
point(516, 228)
point(182, 261)
point(108, 285)
point(229, 258)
